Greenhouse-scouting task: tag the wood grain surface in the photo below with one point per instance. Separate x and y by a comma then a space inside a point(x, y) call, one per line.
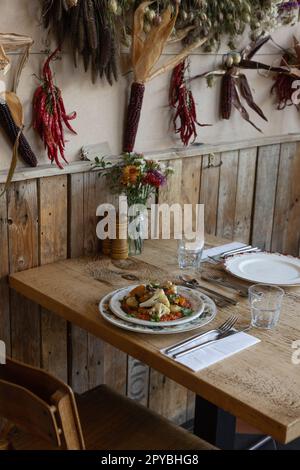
point(259, 385)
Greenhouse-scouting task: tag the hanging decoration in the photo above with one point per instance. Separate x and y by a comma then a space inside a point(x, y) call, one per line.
point(98, 29)
point(90, 27)
point(146, 50)
point(49, 115)
point(235, 86)
point(283, 86)
point(11, 110)
point(182, 101)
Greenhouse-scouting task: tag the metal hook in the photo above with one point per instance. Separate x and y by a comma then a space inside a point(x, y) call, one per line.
point(211, 160)
point(48, 51)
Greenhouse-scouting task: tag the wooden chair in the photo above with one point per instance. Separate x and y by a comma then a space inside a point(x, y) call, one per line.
point(46, 415)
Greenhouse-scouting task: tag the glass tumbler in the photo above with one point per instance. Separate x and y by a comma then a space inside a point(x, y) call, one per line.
point(265, 302)
point(190, 254)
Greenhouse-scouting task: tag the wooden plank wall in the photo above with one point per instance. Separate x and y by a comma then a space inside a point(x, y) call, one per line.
point(252, 195)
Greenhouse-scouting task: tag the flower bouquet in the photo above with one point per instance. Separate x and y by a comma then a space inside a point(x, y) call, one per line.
point(136, 178)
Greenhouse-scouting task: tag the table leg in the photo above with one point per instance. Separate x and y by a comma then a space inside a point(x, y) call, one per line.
point(214, 425)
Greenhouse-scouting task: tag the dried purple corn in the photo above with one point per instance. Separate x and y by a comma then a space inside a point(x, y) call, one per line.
point(12, 130)
point(227, 86)
point(133, 115)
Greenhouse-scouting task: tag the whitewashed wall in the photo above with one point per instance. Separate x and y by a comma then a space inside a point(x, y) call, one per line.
point(101, 108)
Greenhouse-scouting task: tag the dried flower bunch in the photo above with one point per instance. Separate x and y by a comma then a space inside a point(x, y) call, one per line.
point(217, 18)
point(134, 176)
point(98, 28)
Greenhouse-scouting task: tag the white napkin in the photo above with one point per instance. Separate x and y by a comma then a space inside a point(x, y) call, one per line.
point(209, 355)
point(220, 249)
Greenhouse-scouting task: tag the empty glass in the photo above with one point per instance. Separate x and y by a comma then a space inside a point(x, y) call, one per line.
point(190, 253)
point(265, 302)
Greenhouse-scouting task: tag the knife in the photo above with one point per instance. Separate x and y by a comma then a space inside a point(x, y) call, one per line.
point(208, 343)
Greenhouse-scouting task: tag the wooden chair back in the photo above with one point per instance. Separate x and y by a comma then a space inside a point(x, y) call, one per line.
point(40, 404)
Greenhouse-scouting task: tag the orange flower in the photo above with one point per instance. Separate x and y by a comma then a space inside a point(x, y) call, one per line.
point(130, 174)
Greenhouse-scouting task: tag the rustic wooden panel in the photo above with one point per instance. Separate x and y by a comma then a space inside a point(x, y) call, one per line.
point(267, 171)
point(79, 374)
point(171, 193)
point(137, 381)
point(23, 254)
point(75, 215)
point(167, 398)
point(4, 293)
point(190, 184)
point(209, 192)
point(53, 247)
point(227, 194)
point(286, 227)
point(245, 194)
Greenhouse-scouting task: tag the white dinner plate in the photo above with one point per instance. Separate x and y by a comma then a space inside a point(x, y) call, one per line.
point(267, 268)
point(208, 314)
point(192, 295)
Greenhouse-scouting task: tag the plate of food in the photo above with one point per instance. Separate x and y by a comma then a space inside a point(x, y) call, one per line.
point(208, 314)
point(164, 304)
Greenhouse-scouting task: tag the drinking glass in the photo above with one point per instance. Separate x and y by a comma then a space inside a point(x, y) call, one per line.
point(265, 302)
point(190, 253)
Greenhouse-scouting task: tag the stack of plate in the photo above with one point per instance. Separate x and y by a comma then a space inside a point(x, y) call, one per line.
point(204, 312)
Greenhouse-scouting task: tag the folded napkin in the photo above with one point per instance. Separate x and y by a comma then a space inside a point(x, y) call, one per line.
point(220, 249)
point(209, 355)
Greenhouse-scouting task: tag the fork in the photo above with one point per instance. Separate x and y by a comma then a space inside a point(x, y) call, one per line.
point(221, 335)
point(222, 329)
point(218, 258)
point(222, 281)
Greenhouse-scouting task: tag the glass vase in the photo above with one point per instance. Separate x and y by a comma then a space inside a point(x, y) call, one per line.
point(136, 234)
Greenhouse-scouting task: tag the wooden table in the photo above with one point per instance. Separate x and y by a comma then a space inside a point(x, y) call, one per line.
point(260, 385)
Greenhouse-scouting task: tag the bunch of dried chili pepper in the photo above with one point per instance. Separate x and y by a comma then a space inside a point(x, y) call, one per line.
point(181, 98)
point(49, 115)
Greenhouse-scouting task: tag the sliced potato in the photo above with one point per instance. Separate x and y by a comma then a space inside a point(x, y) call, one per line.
point(139, 291)
point(132, 302)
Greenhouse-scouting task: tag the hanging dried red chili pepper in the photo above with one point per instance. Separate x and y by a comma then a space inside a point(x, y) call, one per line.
point(49, 115)
point(181, 98)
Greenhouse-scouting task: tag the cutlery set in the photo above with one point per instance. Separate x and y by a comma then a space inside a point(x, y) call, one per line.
point(221, 256)
point(223, 331)
point(221, 300)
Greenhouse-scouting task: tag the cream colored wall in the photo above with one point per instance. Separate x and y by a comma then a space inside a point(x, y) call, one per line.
point(100, 107)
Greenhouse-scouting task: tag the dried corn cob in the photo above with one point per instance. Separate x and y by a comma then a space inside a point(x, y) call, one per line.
point(227, 86)
point(12, 131)
point(133, 115)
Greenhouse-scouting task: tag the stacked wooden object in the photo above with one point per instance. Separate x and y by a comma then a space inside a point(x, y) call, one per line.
point(118, 247)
